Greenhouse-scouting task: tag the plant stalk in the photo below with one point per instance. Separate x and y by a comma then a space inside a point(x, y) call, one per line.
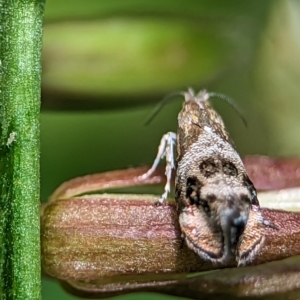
point(21, 44)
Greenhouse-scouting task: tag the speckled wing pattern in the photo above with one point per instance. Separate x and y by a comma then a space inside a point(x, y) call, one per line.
point(219, 213)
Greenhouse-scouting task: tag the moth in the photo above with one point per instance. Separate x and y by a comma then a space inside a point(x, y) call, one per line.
point(219, 213)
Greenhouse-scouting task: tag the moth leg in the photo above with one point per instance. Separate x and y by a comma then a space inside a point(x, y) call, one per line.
point(165, 149)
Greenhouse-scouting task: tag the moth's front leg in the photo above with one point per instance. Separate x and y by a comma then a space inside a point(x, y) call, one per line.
point(165, 149)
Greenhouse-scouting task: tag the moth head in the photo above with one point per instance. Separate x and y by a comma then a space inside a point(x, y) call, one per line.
point(225, 207)
point(218, 203)
point(220, 187)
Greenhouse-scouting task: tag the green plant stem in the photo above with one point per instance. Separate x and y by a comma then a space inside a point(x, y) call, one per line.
point(21, 43)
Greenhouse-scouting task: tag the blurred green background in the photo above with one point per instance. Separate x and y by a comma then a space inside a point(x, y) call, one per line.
point(106, 64)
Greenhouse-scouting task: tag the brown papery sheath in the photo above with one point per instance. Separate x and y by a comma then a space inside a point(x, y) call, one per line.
point(113, 243)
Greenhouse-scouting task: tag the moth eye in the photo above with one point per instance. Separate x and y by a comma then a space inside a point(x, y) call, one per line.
point(193, 187)
point(208, 167)
point(229, 168)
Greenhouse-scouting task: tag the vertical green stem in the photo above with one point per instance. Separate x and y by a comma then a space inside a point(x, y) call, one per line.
point(21, 40)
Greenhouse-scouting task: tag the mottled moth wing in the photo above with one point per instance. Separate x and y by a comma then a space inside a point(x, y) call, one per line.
point(200, 235)
point(252, 239)
point(216, 201)
point(217, 204)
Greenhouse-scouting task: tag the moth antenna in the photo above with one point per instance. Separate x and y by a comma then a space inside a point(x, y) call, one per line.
point(231, 102)
point(160, 105)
